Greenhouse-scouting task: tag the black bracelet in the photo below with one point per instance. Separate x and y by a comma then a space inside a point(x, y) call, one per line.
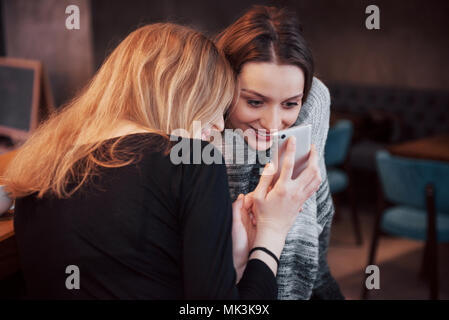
point(266, 251)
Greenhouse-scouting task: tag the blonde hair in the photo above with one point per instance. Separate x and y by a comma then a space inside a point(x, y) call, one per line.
point(162, 77)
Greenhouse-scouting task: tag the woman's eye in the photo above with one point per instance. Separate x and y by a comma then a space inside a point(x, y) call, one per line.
point(255, 103)
point(291, 104)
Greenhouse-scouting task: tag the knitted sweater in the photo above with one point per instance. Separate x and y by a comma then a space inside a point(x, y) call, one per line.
point(303, 272)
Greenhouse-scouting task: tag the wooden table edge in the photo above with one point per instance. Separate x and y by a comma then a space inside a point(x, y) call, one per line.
point(8, 234)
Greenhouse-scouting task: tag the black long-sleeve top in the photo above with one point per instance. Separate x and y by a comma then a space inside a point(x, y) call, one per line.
point(148, 230)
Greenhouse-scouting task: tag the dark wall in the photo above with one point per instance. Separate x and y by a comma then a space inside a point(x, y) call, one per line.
point(2, 37)
point(113, 20)
point(36, 30)
point(410, 50)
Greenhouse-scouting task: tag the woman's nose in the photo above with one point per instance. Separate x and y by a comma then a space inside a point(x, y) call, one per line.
point(271, 119)
point(218, 124)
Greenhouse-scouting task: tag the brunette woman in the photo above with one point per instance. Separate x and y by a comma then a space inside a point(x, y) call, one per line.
point(277, 90)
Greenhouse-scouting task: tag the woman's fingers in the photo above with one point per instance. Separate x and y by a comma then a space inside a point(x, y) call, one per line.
point(253, 219)
point(247, 206)
point(248, 201)
point(313, 157)
point(308, 174)
point(289, 161)
point(264, 182)
point(312, 187)
point(237, 210)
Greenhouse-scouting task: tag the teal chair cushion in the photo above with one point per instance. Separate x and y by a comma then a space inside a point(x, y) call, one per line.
point(338, 180)
point(411, 223)
point(337, 144)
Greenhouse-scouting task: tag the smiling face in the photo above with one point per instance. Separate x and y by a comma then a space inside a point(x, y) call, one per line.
point(270, 100)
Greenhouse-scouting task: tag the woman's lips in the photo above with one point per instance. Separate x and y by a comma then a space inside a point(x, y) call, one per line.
point(260, 134)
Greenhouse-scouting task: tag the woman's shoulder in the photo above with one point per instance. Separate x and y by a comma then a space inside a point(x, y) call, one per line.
point(139, 141)
point(191, 161)
point(176, 151)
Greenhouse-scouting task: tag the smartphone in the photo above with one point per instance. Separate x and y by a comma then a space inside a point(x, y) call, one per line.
point(303, 134)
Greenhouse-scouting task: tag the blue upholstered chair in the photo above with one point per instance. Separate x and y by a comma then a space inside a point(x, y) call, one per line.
point(336, 152)
point(338, 172)
point(418, 191)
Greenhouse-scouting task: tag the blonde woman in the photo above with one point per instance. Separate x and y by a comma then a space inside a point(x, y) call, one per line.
point(95, 186)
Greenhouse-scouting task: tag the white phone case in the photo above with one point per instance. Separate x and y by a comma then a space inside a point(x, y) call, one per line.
point(303, 134)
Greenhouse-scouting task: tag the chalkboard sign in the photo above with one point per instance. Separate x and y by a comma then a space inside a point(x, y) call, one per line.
point(16, 97)
point(25, 97)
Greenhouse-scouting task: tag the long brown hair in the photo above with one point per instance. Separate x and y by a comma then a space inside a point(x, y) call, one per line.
point(267, 34)
point(162, 77)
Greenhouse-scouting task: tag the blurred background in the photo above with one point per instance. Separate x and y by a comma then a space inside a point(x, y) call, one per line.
point(387, 151)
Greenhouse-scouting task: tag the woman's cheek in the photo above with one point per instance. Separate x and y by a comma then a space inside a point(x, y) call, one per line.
point(291, 117)
point(243, 115)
